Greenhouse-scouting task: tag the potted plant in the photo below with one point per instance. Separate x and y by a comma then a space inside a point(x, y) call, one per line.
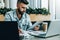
point(42, 11)
point(4, 10)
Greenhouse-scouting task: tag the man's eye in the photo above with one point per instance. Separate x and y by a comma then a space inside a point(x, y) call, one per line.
point(23, 7)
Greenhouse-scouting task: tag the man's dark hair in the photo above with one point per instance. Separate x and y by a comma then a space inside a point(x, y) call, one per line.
point(23, 1)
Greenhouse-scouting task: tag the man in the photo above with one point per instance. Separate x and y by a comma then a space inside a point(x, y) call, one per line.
point(20, 16)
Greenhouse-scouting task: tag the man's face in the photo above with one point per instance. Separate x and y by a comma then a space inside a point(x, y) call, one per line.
point(21, 8)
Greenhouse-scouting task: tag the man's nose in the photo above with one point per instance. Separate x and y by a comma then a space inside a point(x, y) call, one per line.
point(24, 10)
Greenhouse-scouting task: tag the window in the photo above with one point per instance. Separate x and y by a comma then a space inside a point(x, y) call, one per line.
point(35, 3)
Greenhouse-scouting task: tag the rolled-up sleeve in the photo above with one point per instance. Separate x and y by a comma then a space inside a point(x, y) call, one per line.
point(29, 23)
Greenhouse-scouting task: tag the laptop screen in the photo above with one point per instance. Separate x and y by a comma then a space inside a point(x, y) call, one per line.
point(9, 30)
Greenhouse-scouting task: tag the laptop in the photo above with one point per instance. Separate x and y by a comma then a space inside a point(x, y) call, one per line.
point(9, 30)
point(53, 29)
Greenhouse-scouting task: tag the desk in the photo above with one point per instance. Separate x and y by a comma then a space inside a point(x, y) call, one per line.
point(36, 38)
point(51, 38)
point(36, 33)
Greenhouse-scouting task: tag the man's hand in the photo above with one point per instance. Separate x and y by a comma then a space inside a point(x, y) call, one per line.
point(36, 28)
point(20, 31)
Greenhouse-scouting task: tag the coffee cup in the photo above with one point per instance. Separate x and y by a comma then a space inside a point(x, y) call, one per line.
point(44, 26)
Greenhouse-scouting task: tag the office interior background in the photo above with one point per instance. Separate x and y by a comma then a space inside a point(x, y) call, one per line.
point(52, 6)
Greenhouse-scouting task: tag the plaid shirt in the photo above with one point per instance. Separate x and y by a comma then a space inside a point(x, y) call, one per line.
point(23, 23)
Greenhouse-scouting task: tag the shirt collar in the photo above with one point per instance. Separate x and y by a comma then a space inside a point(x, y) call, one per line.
point(15, 15)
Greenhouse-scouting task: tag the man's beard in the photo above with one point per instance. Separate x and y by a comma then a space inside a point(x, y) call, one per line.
point(20, 12)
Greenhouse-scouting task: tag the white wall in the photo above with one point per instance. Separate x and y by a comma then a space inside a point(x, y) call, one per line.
point(39, 3)
point(12, 4)
point(7, 3)
point(31, 3)
point(2, 4)
point(44, 4)
point(57, 9)
point(52, 8)
point(35, 3)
